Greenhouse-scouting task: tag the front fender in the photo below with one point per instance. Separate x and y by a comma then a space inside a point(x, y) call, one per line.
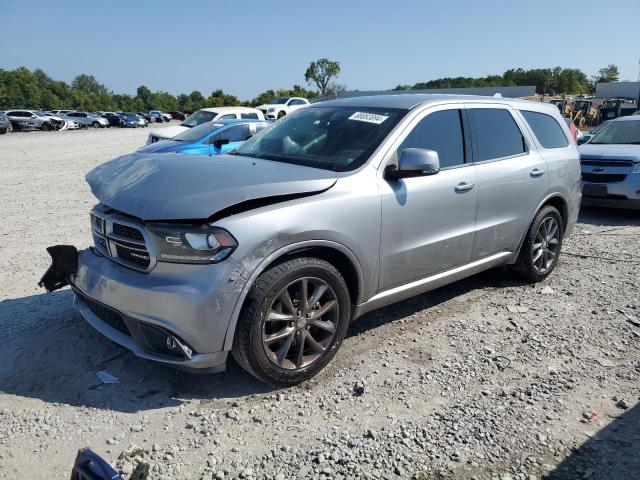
point(268, 260)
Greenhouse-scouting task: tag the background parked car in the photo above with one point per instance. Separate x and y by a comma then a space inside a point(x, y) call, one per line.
point(145, 115)
point(281, 106)
point(88, 119)
point(28, 119)
point(112, 118)
point(132, 120)
point(159, 117)
point(61, 112)
point(178, 115)
point(206, 115)
point(210, 138)
point(611, 165)
point(5, 124)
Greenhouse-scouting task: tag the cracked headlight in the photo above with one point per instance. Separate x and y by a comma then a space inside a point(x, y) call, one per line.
point(191, 243)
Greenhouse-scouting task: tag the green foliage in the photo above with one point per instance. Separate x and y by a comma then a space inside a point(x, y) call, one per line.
point(546, 80)
point(23, 88)
point(321, 73)
point(609, 73)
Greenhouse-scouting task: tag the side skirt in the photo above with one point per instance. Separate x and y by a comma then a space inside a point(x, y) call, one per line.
point(412, 289)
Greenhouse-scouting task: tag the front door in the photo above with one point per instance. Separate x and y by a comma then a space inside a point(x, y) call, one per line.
point(428, 223)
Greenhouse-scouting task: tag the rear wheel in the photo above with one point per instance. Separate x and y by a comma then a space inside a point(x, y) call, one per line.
point(293, 321)
point(541, 248)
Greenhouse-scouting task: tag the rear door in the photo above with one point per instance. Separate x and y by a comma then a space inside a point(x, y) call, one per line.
point(512, 177)
point(428, 223)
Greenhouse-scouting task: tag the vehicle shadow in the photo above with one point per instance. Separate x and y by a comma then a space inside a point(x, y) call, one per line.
point(609, 216)
point(495, 278)
point(50, 353)
point(610, 454)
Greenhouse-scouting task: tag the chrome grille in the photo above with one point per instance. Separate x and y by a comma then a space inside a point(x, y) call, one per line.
point(123, 241)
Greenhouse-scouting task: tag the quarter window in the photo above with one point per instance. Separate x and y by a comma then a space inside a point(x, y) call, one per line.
point(440, 131)
point(546, 129)
point(497, 134)
point(253, 116)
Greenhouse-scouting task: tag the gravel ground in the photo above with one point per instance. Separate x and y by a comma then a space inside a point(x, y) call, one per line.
point(487, 378)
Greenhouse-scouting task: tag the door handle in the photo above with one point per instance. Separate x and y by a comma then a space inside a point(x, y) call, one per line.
point(536, 172)
point(464, 187)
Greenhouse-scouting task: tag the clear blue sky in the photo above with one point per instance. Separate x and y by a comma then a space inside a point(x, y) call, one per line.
point(245, 47)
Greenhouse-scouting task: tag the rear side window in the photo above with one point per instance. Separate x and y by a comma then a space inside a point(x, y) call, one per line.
point(440, 131)
point(497, 134)
point(546, 129)
point(249, 115)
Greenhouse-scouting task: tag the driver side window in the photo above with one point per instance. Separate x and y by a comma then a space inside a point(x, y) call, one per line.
point(442, 132)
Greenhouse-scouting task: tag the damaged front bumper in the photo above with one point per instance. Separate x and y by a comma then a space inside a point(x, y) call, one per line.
point(178, 314)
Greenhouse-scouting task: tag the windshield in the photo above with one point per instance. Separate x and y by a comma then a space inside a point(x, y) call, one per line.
point(201, 116)
point(196, 133)
point(622, 132)
point(278, 101)
point(331, 138)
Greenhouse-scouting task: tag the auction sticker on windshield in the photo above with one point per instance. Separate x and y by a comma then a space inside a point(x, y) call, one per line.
point(369, 117)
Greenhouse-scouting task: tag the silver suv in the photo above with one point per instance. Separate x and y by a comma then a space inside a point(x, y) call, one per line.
point(339, 208)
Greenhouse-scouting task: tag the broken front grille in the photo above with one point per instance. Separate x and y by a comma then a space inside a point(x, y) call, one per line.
point(123, 241)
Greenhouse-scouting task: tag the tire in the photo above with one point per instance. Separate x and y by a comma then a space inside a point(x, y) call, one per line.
point(530, 266)
point(3, 131)
point(259, 339)
point(95, 124)
point(46, 126)
point(281, 114)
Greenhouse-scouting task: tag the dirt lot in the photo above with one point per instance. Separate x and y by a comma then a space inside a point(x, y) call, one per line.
point(485, 379)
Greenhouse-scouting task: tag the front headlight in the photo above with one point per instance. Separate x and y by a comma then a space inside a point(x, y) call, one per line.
point(191, 243)
point(271, 110)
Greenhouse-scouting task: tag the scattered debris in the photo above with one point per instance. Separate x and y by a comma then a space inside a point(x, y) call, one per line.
point(107, 378)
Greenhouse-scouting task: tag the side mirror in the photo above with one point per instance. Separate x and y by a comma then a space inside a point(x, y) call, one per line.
point(414, 162)
point(219, 143)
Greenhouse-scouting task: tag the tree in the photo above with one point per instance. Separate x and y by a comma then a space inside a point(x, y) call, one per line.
point(220, 99)
point(145, 96)
point(609, 73)
point(88, 84)
point(321, 72)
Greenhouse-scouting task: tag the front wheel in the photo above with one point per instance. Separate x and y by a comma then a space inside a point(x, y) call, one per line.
point(281, 114)
point(95, 125)
point(541, 248)
point(293, 321)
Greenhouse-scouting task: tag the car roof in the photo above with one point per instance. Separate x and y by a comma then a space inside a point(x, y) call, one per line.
point(232, 121)
point(408, 101)
point(628, 118)
point(229, 109)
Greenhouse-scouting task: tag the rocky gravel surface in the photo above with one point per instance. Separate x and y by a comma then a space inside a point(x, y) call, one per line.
point(488, 378)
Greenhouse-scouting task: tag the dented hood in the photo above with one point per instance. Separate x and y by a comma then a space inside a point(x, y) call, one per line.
point(194, 187)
